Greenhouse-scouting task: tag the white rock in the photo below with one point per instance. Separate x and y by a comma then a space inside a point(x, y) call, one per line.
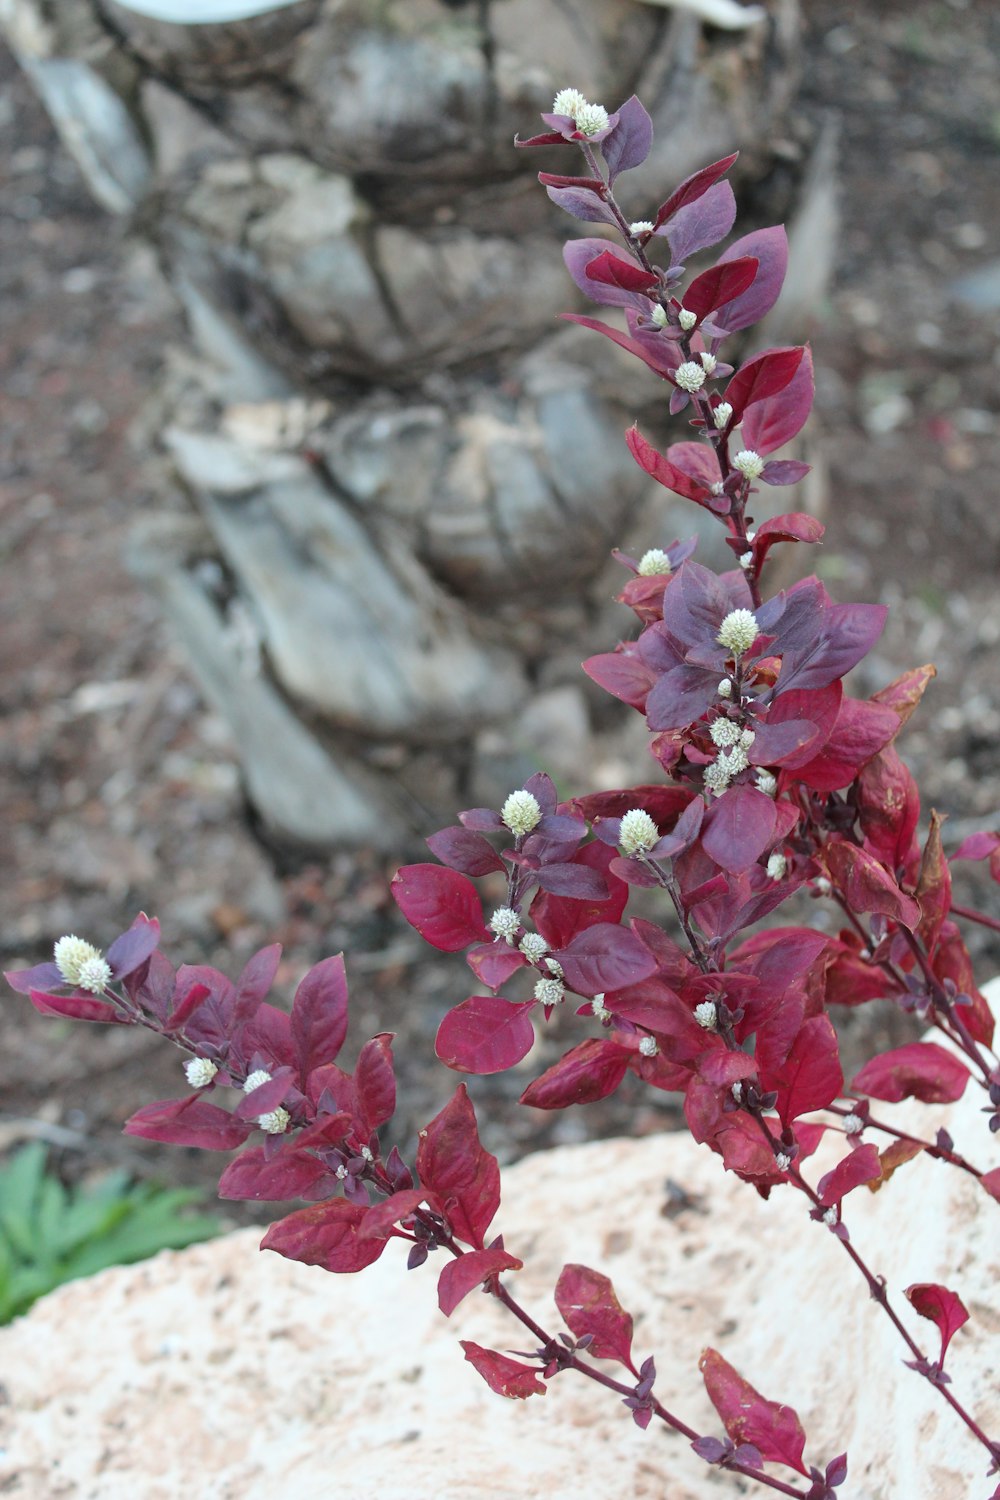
point(220, 1372)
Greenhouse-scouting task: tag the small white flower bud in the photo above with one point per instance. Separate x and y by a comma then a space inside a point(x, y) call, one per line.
point(549, 991)
point(737, 1092)
point(255, 1079)
point(830, 1217)
point(777, 865)
point(95, 975)
point(366, 1153)
point(659, 316)
point(721, 414)
point(724, 732)
point(766, 783)
point(687, 319)
point(751, 535)
point(654, 562)
point(521, 813)
point(706, 1015)
point(70, 954)
point(342, 1171)
point(600, 1009)
point(718, 488)
point(747, 737)
point(822, 886)
point(590, 118)
point(505, 923)
point(853, 1124)
point(689, 376)
point(746, 561)
point(725, 688)
point(641, 226)
point(738, 631)
point(708, 362)
point(648, 1046)
point(782, 1161)
point(200, 1071)
point(567, 102)
point(749, 463)
point(275, 1122)
point(638, 832)
point(554, 967)
point(533, 946)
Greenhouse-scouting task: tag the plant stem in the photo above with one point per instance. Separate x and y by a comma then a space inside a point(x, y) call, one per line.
point(939, 1152)
point(971, 915)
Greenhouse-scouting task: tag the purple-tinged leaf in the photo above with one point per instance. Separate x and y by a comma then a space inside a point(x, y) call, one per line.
point(719, 284)
point(722, 1069)
point(603, 958)
point(738, 828)
point(665, 472)
point(848, 633)
point(783, 471)
point(920, 1070)
point(796, 526)
point(46, 976)
point(465, 850)
point(622, 674)
point(629, 143)
point(590, 1071)
point(375, 1082)
point(858, 1167)
point(589, 1306)
point(266, 1097)
point(485, 1034)
point(991, 1182)
point(77, 1007)
point(327, 1235)
point(662, 357)
point(130, 951)
point(860, 732)
point(494, 963)
point(185, 1008)
point(319, 1015)
point(773, 1428)
point(771, 423)
point(868, 887)
point(692, 188)
point(462, 1276)
point(605, 277)
point(581, 202)
point(251, 1177)
point(442, 905)
point(560, 918)
point(482, 820)
point(254, 984)
point(188, 1122)
point(702, 223)
point(977, 846)
point(763, 376)
point(770, 248)
point(508, 1377)
point(574, 881)
point(550, 138)
point(453, 1164)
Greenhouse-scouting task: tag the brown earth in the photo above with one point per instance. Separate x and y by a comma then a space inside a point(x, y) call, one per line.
point(119, 791)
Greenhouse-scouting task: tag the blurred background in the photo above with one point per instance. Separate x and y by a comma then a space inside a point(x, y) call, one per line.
point(306, 500)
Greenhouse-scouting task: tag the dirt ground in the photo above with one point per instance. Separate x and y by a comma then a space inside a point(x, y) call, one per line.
point(119, 791)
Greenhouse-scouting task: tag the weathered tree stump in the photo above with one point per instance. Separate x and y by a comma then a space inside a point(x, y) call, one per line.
point(406, 475)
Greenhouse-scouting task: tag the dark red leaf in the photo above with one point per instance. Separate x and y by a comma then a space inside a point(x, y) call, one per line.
point(469, 1271)
point(76, 1007)
point(920, 1070)
point(592, 1070)
point(942, 1307)
point(764, 375)
point(605, 957)
point(858, 1166)
point(577, 882)
point(773, 1428)
point(663, 471)
point(494, 963)
point(770, 248)
point(614, 270)
point(588, 1305)
point(375, 1082)
point(738, 827)
point(381, 1219)
point(327, 1235)
point(622, 674)
point(508, 1377)
point(319, 1015)
point(860, 732)
point(188, 1122)
point(773, 422)
point(452, 1163)
point(693, 187)
point(719, 284)
point(442, 905)
point(991, 1182)
point(810, 1077)
point(254, 984)
point(485, 1034)
point(185, 1009)
point(559, 918)
point(866, 886)
point(661, 357)
point(252, 1177)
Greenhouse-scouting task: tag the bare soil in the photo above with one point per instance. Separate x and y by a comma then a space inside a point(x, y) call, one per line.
point(120, 792)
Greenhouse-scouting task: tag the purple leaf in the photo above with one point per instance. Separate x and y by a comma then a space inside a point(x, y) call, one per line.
point(629, 143)
point(128, 952)
point(580, 201)
point(605, 958)
point(738, 828)
point(770, 248)
point(188, 1122)
point(252, 1177)
point(605, 277)
point(782, 471)
point(76, 1007)
point(375, 1082)
point(578, 882)
point(465, 850)
point(702, 223)
point(662, 356)
point(255, 982)
point(774, 421)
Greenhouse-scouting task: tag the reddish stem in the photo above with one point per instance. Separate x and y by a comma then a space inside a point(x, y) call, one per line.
point(971, 915)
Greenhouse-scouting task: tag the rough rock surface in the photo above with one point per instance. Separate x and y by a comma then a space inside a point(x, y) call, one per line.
point(220, 1372)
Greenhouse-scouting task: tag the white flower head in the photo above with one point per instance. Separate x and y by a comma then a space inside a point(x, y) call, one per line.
point(749, 463)
point(738, 631)
point(766, 783)
point(687, 319)
point(659, 316)
point(721, 414)
point(521, 813)
point(777, 866)
point(275, 1122)
point(708, 362)
point(599, 1008)
point(567, 102)
point(590, 118)
point(95, 975)
point(706, 1015)
point(689, 376)
point(638, 833)
point(554, 967)
point(70, 954)
point(533, 946)
point(822, 886)
point(737, 1092)
point(853, 1124)
point(736, 760)
point(549, 991)
point(724, 732)
point(725, 688)
point(782, 1161)
point(746, 561)
point(641, 226)
point(717, 777)
point(654, 562)
point(341, 1172)
point(830, 1217)
point(255, 1079)
point(747, 737)
point(505, 923)
point(648, 1046)
point(366, 1153)
point(200, 1071)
